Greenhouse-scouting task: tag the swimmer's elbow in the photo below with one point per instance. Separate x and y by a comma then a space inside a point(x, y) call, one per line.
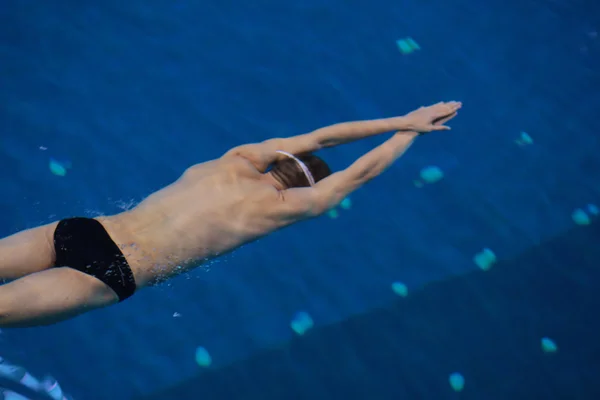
point(318, 207)
point(322, 201)
point(300, 203)
point(330, 192)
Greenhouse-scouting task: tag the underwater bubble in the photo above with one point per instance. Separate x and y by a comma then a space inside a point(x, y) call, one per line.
point(203, 358)
point(548, 345)
point(346, 204)
point(301, 323)
point(457, 381)
point(580, 217)
point(431, 174)
point(485, 259)
point(400, 289)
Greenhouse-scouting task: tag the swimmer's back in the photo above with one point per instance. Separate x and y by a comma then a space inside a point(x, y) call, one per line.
point(212, 208)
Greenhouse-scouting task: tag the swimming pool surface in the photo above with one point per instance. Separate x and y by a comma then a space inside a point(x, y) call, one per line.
point(129, 94)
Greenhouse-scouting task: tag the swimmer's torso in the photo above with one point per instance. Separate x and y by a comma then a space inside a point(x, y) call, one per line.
point(211, 209)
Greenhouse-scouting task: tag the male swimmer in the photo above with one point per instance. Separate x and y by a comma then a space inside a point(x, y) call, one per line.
point(75, 265)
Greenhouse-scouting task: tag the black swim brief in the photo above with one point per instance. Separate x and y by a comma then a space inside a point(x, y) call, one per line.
point(84, 245)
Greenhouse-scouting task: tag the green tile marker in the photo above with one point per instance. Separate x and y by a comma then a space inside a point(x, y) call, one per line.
point(407, 45)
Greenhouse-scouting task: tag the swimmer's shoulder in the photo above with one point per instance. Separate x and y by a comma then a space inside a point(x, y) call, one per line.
point(223, 165)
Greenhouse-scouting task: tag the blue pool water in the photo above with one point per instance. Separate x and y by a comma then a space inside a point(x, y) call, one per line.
point(132, 93)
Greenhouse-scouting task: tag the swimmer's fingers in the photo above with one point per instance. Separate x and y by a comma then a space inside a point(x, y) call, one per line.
point(432, 118)
point(438, 125)
point(444, 108)
point(443, 112)
point(444, 119)
point(454, 105)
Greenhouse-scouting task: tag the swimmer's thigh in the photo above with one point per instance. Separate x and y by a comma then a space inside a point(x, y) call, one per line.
point(28, 251)
point(51, 296)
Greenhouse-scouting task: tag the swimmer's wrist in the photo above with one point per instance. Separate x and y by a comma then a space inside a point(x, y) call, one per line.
point(403, 124)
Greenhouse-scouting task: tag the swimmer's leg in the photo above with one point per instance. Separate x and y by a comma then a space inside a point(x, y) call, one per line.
point(26, 252)
point(51, 296)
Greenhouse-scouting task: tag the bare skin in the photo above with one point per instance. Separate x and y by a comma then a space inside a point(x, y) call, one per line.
point(213, 208)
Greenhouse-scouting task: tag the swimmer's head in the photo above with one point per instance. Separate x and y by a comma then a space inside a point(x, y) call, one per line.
point(290, 173)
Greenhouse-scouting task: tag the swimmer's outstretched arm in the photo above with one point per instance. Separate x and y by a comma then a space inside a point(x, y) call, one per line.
point(329, 192)
point(424, 119)
point(309, 202)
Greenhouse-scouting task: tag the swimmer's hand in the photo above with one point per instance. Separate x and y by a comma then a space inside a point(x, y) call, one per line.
point(432, 118)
